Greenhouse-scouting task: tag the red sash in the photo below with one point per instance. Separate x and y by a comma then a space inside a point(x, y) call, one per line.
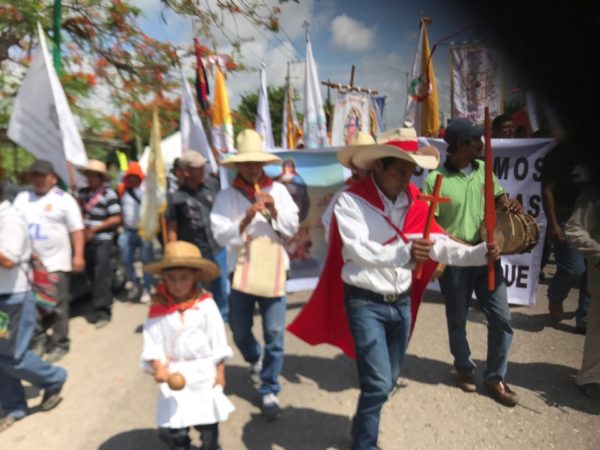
point(168, 304)
point(248, 189)
point(323, 319)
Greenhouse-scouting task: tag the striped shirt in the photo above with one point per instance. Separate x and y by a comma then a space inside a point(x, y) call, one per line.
point(98, 206)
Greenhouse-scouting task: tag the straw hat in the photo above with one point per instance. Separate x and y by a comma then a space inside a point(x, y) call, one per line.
point(345, 154)
point(250, 149)
point(96, 166)
point(398, 143)
point(184, 254)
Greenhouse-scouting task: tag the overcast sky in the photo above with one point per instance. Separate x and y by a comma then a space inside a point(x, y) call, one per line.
point(378, 36)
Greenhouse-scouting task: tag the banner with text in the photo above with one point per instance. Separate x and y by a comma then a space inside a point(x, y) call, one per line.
point(517, 164)
point(475, 82)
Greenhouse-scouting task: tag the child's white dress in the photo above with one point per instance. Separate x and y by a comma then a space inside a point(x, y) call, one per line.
point(194, 342)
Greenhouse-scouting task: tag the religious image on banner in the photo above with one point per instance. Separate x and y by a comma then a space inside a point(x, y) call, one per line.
point(475, 82)
point(351, 115)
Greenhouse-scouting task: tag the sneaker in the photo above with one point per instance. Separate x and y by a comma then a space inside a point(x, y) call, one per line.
point(8, 421)
point(254, 372)
point(101, 323)
point(270, 406)
point(51, 398)
point(56, 354)
point(145, 297)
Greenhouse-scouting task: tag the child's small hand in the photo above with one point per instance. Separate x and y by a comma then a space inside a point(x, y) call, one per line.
point(220, 377)
point(161, 373)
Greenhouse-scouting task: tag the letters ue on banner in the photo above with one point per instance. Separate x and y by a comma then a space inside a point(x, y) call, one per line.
point(518, 166)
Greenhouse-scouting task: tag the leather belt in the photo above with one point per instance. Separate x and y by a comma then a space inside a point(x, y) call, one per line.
point(374, 296)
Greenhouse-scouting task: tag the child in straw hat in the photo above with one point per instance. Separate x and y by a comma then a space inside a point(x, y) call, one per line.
point(185, 347)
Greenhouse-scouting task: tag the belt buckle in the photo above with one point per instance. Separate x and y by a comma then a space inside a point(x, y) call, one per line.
point(390, 298)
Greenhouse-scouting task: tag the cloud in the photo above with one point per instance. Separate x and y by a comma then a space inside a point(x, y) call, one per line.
point(350, 35)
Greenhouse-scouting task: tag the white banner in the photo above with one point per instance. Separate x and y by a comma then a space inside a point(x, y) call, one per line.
point(263, 115)
point(193, 136)
point(518, 165)
point(475, 82)
point(41, 121)
point(351, 115)
point(315, 125)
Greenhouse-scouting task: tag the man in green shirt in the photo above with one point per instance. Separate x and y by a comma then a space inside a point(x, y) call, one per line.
point(462, 218)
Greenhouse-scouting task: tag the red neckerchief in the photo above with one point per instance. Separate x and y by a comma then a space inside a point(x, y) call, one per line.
point(170, 306)
point(323, 319)
point(248, 189)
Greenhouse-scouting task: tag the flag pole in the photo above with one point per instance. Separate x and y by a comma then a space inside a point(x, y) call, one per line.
point(490, 201)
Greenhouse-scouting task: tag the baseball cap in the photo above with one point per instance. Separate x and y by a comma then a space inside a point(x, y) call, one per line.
point(192, 159)
point(41, 166)
point(462, 128)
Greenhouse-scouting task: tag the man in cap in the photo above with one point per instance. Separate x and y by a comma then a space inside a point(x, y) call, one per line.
point(101, 217)
point(250, 218)
point(188, 219)
point(366, 300)
point(131, 191)
point(462, 218)
point(56, 229)
point(17, 322)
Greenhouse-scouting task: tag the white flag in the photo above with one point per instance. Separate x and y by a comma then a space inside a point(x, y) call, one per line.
point(350, 116)
point(41, 121)
point(263, 116)
point(193, 136)
point(315, 125)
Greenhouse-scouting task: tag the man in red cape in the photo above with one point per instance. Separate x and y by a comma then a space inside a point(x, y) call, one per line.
point(367, 298)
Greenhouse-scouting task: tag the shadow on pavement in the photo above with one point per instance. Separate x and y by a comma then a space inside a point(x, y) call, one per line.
point(553, 383)
point(298, 429)
point(537, 322)
point(331, 374)
point(144, 439)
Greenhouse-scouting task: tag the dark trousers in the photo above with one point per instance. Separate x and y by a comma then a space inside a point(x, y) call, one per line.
point(180, 440)
point(98, 270)
point(57, 320)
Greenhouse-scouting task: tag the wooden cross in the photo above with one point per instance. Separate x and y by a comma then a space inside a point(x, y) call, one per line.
point(433, 200)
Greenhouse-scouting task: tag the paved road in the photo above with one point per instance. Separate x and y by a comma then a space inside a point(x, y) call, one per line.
point(109, 402)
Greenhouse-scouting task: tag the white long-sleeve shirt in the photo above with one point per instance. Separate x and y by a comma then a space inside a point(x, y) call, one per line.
point(386, 269)
point(229, 209)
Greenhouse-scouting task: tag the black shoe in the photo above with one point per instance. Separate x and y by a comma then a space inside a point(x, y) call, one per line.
point(56, 354)
point(270, 407)
point(51, 398)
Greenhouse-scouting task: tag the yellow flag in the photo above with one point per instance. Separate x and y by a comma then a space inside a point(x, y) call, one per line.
point(422, 109)
point(154, 200)
point(222, 125)
point(430, 113)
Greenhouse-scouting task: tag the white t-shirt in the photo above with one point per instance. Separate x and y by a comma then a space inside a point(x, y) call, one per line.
point(14, 245)
point(51, 218)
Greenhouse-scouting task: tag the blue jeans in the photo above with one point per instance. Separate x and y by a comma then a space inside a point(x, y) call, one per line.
point(571, 271)
point(272, 311)
point(380, 332)
point(457, 285)
point(24, 365)
point(128, 242)
point(219, 287)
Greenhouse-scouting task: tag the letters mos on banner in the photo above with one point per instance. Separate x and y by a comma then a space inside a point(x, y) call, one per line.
point(518, 166)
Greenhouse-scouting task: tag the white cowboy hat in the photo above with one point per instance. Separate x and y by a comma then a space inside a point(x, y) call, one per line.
point(250, 149)
point(345, 154)
point(184, 254)
point(96, 166)
point(398, 143)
